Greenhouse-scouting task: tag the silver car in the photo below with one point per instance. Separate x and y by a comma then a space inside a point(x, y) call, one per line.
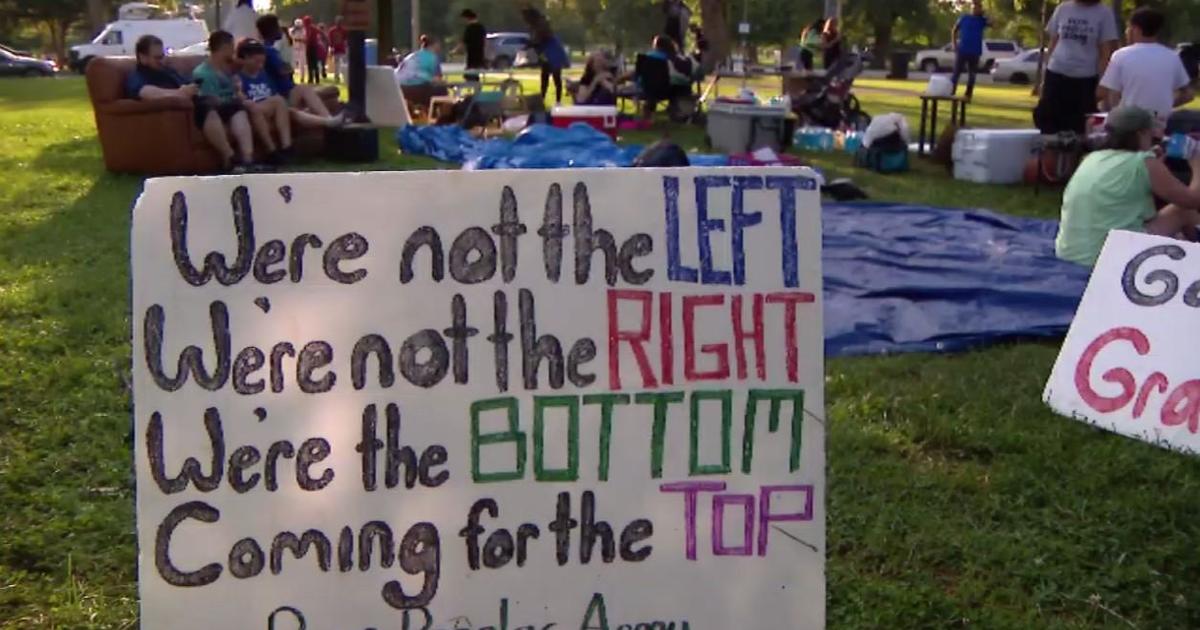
point(507, 50)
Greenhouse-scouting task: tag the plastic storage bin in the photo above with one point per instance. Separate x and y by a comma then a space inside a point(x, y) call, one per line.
point(740, 128)
point(601, 117)
point(993, 156)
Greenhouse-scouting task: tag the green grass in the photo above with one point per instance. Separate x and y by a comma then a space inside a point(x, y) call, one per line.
point(955, 497)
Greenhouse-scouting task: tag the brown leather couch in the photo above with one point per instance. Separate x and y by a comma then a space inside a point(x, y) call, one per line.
point(158, 137)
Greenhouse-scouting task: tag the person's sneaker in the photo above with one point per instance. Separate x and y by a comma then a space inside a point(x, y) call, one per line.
point(260, 168)
point(338, 120)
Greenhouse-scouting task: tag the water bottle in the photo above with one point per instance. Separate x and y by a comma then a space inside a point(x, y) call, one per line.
point(1181, 147)
point(826, 139)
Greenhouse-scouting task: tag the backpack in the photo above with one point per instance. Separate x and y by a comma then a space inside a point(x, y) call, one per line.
point(660, 154)
point(886, 155)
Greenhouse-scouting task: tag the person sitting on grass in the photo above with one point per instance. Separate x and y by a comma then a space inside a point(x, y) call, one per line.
point(301, 98)
point(1114, 189)
point(219, 94)
point(597, 86)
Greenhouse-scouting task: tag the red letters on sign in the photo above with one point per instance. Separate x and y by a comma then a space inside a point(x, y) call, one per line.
point(747, 328)
point(1182, 405)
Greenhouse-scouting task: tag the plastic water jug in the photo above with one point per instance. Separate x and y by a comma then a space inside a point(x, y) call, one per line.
point(825, 139)
point(853, 141)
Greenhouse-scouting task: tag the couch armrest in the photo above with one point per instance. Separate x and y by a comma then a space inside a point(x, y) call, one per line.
point(125, 106)
point(151, 142)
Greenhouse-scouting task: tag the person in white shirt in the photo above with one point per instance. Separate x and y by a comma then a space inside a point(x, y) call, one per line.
point(241, 21)
point(1145, 73)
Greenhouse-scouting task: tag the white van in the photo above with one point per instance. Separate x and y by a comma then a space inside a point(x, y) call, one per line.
point(119, 38)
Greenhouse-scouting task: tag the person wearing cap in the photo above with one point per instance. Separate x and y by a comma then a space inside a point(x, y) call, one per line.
point(1146, 73)
point(1114, 189)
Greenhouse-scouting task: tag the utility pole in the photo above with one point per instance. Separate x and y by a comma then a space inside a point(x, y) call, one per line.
point(416, 24)
point(833, 8)
point(1043, 57)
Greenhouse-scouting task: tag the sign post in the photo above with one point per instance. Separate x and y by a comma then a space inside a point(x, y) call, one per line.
point(1128, 364)
point(356, 17)
point(496, 399)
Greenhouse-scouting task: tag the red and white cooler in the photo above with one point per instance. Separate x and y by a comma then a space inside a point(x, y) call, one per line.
point(600, 117)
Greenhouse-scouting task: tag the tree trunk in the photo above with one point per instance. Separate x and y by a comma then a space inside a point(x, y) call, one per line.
point(883, 42)
point(716, 31)
point(1042, 60)
point(383, 14)
point(58, 37)
point(99, 13)
point(1116, 7)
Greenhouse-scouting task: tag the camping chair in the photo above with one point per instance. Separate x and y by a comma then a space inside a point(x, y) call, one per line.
point(485, 108)
point(651, 83)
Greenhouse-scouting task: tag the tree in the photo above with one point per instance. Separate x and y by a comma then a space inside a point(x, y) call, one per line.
point(715, 25)
point(56, 16)
point(880, 18)
point(99, 12)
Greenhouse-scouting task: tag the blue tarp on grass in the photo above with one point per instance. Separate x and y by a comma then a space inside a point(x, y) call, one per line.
point(898, 278)
point(917, 279)
point(539, 146)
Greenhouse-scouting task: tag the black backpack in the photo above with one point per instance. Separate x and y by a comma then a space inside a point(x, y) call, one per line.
point(662, 153)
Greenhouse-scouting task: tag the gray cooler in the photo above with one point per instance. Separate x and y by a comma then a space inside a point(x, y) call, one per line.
point(741, 128)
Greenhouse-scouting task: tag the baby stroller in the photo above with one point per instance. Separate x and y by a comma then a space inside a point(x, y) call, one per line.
point(829, 102)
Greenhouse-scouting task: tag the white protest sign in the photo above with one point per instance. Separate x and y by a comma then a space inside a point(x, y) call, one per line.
point(1129, 363)
point(503, 399)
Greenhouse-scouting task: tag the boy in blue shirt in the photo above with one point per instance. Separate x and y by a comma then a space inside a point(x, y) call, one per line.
point(301, 98)
point(263, 103)
point(968, 45)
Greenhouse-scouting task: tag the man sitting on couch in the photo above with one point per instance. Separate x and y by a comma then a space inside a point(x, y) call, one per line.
point(151, 80)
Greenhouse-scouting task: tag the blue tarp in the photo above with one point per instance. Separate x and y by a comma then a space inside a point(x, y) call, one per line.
point(897, 278)
point(917, 279)
point(538, 146)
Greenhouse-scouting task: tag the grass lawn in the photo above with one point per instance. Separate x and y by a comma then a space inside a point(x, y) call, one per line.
point(955, 497)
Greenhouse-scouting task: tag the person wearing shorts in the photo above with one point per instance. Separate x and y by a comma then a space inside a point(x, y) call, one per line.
point(151, 80)
point(300, 97)
point(219, 94)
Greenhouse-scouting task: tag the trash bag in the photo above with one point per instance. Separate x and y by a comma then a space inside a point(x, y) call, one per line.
point(661, 154)
point(886, 125)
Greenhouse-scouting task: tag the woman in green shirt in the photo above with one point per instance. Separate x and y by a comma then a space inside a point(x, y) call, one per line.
point(810, 43)
point(1114, 189)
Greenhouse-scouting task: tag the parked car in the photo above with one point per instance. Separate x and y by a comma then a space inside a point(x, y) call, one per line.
point(199, 48)
point(942, 59)
point(21, 66)
point(502, 50)
point(118, 38)
point(15, 51)
point(1019, 70)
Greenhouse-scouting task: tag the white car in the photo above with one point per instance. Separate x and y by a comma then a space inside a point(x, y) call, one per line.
point(942, 58)
point(1019, 70)
point(199, 48)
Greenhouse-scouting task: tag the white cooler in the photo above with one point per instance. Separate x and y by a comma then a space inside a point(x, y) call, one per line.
point(993, 156)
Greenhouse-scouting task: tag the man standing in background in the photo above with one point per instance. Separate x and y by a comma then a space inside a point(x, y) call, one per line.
point(474, 39)
point(337, 47)
point(968, 45)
